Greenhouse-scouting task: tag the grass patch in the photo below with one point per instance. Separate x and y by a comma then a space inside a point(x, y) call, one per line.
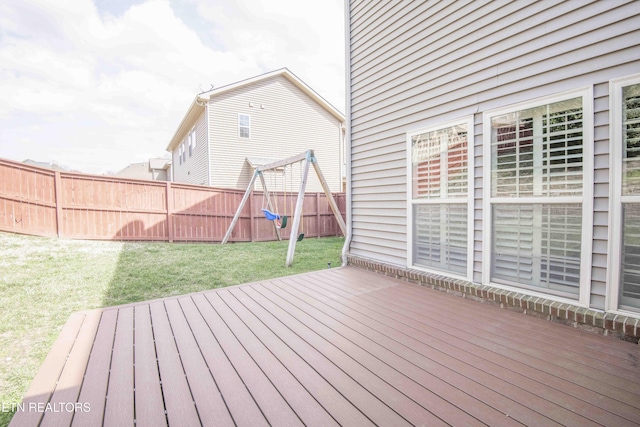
point(44, 280)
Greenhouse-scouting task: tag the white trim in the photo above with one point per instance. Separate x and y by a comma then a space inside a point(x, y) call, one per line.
point(452, 201)
point(612, 297)
point(468, 121)
point(538, 294)
point(207, 141)
point(529, 200)
point(586, 199)
point(347, 135)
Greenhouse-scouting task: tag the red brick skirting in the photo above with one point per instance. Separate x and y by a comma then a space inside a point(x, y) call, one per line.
point(624, 327)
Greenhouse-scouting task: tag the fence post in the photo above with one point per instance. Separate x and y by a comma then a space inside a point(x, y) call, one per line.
point(169, 201)
point(318, 214)
point(251, 226)
point(57, 186)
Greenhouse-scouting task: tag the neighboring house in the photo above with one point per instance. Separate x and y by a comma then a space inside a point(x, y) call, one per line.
point(53, 166)
point(153, 170)
point(160, 169)
point(498, 143)
point(228, 131)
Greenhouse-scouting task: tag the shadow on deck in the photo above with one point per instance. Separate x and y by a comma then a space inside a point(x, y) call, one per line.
point(336, 347)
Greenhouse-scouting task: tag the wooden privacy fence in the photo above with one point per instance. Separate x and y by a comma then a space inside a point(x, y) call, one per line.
point(44, 202)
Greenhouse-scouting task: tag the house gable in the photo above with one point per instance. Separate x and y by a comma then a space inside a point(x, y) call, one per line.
point(284, 121)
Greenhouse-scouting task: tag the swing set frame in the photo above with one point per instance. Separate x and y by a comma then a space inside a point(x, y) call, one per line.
point(308, 158)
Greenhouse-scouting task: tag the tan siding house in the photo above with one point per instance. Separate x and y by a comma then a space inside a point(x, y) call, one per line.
point(253, 122)
point(493, 142)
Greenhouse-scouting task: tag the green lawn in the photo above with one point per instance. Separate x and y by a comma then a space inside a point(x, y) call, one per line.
point(44, 280)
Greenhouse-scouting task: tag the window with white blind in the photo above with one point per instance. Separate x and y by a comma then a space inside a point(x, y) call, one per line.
point(244, 125)
point(537, 155)
point(626, 199)
point(440, 207)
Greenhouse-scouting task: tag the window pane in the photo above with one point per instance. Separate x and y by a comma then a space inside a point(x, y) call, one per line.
point(630, 277)
point(538, 151)
point(439, 161)
point(244, 126)
point(440, 237)
point(631, 140)
point(537, 246)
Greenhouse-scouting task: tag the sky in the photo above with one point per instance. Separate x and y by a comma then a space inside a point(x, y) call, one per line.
point(95, 85)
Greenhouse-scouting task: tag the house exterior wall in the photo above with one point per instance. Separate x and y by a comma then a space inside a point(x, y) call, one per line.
point(193, 168)
point(284, 122)
point(414, 65)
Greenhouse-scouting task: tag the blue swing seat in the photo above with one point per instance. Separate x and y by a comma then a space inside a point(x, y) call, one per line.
point(270, 215)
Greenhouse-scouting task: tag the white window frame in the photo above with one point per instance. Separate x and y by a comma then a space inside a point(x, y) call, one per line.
point(191, 137)
point(468, 122)
point(240, 126)
point(612, 299)
point(586, 199)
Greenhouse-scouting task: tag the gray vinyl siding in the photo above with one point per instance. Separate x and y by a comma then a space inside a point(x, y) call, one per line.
point(290, 123)
point(419, 64)
point(193, 170)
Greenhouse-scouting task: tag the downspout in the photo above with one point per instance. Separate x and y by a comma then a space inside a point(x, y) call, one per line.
point(208, 142)
point(347, 130)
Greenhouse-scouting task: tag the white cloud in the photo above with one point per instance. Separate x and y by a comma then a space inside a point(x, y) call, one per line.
point(96, 91)
point(306, 37)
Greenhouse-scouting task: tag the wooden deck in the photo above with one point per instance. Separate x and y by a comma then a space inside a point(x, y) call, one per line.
point(336, 347)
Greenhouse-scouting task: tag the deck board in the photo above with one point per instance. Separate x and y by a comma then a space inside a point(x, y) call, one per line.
point(206, 394)
point(455, 390)
point(119, 408)
point(406, 330)
point(181, 409)
point(274, 358)
point(336, 347)
point(149, 403)
point(574, 363)
point(339, 355)
point(96, 379)
point(68, 386)
point(332, 331)
point(242, 406)
point(274, 407)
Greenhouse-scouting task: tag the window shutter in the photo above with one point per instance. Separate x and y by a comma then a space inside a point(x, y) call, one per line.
point(538, 151)
point(538, 245)
point(440, 236)
point(630, 277)
point(631, 138)
point(562, 155)
point(512, 245)
point(440, 163)
point(560, 246)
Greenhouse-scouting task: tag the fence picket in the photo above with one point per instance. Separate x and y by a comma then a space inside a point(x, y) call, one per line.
point(42, 202)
